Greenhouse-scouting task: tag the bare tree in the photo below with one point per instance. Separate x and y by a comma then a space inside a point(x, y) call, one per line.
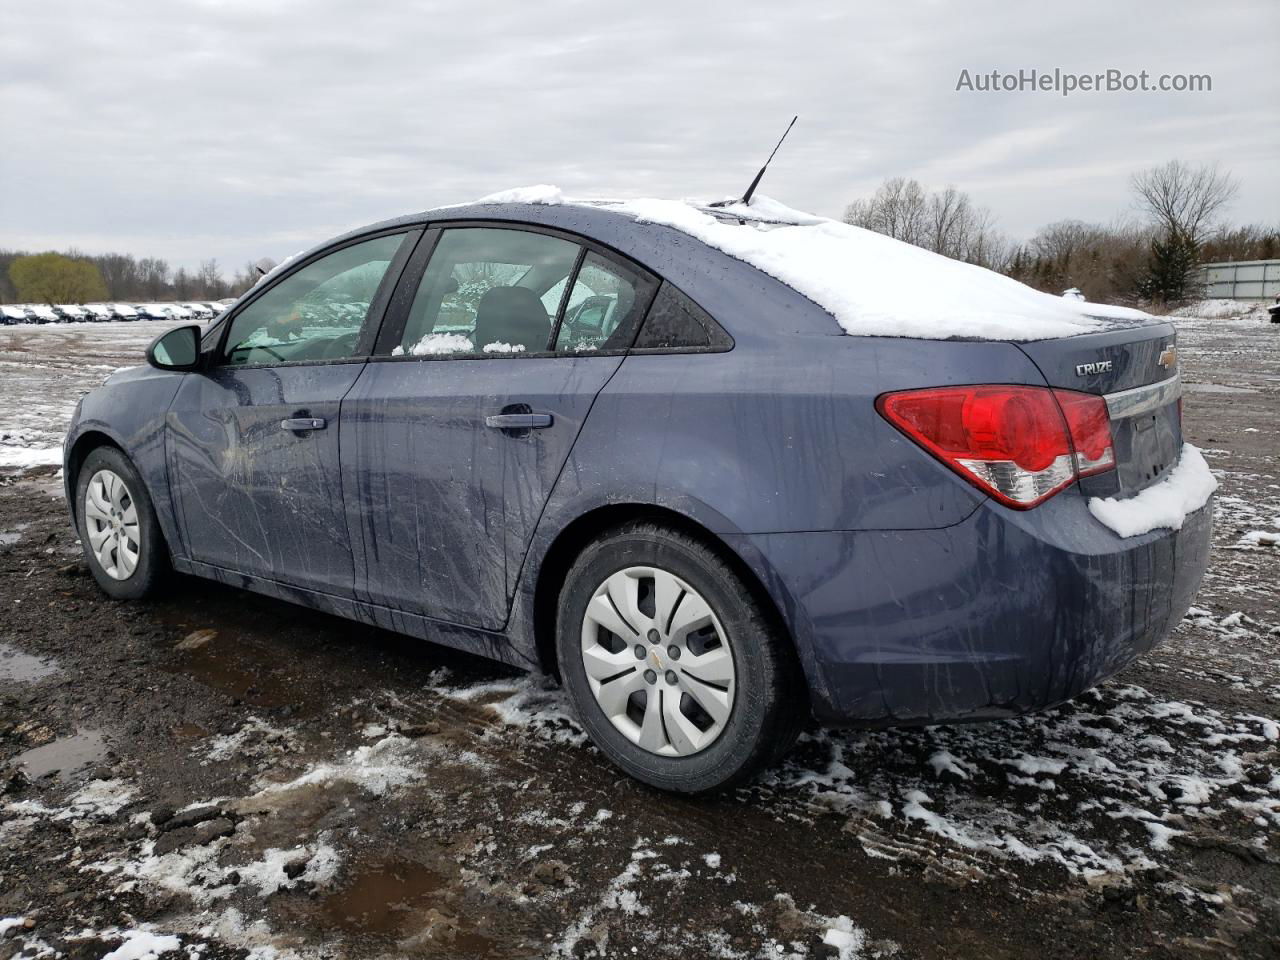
point(120, 273)
point(1251, 241)
point(898, 209)
point(1184, 201)
point(155, 277)
point(946, 222)
point(210, 280)
point(183, 283)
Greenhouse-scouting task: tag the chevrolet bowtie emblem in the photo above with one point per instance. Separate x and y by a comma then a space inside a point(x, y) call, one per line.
point(1169, 358)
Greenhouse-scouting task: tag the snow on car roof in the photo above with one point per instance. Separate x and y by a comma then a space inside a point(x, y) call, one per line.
point(872, 284)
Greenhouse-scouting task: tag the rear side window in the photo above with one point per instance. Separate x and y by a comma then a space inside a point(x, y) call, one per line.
point(675, 322)
point(488, 291)
point(604, 306)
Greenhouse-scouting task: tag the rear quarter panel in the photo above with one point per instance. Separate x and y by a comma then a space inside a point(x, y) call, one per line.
point(781, 434)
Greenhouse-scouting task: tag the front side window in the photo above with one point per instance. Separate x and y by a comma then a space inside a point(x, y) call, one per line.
point(488, 292)
point(314, 313)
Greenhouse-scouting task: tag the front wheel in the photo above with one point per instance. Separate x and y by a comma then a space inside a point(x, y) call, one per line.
point(676, 672)
point(118, 528)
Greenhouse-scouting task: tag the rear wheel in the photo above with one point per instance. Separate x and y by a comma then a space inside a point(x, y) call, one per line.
point(118, 528)
point(676, 673)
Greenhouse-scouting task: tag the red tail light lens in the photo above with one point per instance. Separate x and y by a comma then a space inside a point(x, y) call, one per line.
point(1020, 445)
point(1090, 426)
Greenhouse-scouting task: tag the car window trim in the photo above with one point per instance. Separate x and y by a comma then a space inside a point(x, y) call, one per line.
point(570, 282)
point(402, 300)
point(411, 236)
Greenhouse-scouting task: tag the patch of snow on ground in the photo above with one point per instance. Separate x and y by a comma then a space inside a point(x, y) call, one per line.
point(1165, 505)
point(255, 739)
point(97, 798)
point(19, 453)
point(845, 937)
point(1176, 762)
point(143, 945)
point(530, 702)
point(1215, 309)
point(392, 762)
point(195, 871)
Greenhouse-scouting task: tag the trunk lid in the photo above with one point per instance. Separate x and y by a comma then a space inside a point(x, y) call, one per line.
point(1146, 424)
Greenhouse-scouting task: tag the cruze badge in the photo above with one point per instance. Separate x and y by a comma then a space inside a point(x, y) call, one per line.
point(1089, 369)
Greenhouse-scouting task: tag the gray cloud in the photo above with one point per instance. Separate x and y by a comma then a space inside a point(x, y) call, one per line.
point(232, 128)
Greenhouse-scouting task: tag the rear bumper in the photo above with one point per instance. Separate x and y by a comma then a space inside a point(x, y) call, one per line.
point(1003, 613)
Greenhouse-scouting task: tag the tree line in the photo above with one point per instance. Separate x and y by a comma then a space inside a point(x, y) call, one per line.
point(74, 277)
point(1151, 256)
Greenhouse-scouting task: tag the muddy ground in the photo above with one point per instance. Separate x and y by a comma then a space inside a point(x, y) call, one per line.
point(216, 774)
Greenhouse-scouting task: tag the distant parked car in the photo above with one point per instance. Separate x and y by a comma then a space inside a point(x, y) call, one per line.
point(124, 311)
point(154, 311)
point(10, 315)
point(71, 313)
point(198, 310)
point(1274, 310)
point(98, 312)
point(43, 313)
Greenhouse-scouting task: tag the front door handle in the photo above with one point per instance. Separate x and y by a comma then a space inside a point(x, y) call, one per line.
point(519, 421)
point(300, 424)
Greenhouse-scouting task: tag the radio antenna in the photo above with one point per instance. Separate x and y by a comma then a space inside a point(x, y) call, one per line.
point(746, 197)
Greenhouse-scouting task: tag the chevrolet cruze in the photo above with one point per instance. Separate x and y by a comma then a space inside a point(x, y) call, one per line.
point(719, 468)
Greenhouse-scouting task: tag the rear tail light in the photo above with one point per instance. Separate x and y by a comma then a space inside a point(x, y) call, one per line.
point(1020, 445)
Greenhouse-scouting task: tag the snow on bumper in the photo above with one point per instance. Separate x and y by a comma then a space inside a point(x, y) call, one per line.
point(1163, 506)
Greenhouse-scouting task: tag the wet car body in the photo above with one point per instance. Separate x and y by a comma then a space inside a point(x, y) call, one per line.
point(910, 596)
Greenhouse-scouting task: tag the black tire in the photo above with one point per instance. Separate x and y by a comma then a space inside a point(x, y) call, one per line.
point(770, 703)
point(153, 553)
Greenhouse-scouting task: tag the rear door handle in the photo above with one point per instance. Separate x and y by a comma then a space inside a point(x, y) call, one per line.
point(519, 421)
point(299, 424)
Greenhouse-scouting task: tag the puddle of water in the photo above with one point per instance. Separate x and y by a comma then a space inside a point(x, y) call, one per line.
point(66, 755)
point(384, 897)
point(189, 731)
point(16, 665)
point(1215, 388)
point(217, 663)
point(394, 898)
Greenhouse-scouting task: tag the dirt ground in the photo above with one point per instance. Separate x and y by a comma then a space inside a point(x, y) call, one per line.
point(216, 774)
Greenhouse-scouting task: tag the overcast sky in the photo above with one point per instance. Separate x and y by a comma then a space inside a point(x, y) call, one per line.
point(241, 128)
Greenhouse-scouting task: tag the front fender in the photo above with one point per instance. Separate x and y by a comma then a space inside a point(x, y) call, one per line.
point(129, 412)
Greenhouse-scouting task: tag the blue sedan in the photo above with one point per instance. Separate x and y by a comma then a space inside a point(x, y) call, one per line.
point(683, 459)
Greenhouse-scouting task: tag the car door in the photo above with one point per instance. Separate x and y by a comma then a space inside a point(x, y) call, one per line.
point(253, 438)
point(459, 425)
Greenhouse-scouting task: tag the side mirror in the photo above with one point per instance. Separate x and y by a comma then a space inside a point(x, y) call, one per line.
point(176, 350)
